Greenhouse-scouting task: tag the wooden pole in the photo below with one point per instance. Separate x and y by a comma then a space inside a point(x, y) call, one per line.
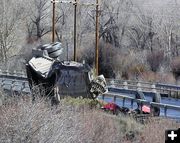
point(53, 22)
point(75, 18)
point(97, 38)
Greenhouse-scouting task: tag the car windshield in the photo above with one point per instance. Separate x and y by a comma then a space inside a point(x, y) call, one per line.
point(72, 82)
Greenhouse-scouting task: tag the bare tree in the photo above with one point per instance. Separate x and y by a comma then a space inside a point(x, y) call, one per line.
point(10, 15)
point(114, 19)
point(38, 19)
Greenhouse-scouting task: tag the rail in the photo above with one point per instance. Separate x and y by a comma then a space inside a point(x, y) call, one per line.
point(142, 102)
point(14, 81)
point(167, 90)
point(17, 81)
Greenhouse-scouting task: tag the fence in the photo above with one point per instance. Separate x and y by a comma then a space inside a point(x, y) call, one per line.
point(142, 102)
point(166, 90)
point(16, 81)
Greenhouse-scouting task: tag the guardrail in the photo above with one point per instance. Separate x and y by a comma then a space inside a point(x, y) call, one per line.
point(14, 81)
point(166, 90)
point(14, 74)
point(142, 102)
point(17, 81)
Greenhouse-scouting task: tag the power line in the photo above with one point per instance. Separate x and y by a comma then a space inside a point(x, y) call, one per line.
point(137, 13)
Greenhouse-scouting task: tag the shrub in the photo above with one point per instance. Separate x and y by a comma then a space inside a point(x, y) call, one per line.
point(157, 77)
point(154, 59)
point(137, 70)
point(175, 66)
point(127, 65)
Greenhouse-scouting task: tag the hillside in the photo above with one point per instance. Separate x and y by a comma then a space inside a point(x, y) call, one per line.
point(74, 120)
point(138, 39)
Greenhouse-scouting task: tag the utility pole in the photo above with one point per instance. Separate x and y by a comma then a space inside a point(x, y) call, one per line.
point(75, 19)
point(97, 38)
point(53, 22)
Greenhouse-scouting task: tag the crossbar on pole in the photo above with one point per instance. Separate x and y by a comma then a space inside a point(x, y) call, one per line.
point(72, 2)
point(68, 2)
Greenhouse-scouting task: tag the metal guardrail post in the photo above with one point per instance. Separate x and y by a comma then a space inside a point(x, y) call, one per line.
point(103, 97)
point(153, 88)
point(112, 83)
point(170, 93)
point(7, 72)
point(125, 85)
point(165, 111)
point(151, 109)
point(114, 98)
point(177, 94)
point(123, 101)
point(139, 86)
point(132, 102)
point(141, 105)
point(15, 73)
point(1, 84)
point(23, 86)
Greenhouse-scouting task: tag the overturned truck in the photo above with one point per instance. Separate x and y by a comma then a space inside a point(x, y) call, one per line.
point(54, 78)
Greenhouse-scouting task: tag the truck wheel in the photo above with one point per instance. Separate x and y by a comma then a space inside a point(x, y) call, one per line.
point(139, 95)
point(53, 47)
point(56, 53)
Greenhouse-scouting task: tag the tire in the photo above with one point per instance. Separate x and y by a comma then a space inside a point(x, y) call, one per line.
point(139, 95)
point(44, 47)
point(56, 53)
point(157, 99)
point(53, 47)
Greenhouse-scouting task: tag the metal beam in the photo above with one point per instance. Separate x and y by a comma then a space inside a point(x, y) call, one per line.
point(153, 104)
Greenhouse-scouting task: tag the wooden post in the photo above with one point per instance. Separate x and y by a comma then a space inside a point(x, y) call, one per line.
point(97, 38)
point(75, 20)
point(53, 22)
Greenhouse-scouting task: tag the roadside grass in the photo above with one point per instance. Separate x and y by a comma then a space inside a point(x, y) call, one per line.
point(154, 130)
point(73, 120)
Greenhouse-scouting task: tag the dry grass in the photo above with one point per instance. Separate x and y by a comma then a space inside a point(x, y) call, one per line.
point(22, 121)
point(157, 77)
point(154, 131)
point(73, 121)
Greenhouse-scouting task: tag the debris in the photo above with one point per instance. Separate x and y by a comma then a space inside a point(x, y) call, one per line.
point(58, 79)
